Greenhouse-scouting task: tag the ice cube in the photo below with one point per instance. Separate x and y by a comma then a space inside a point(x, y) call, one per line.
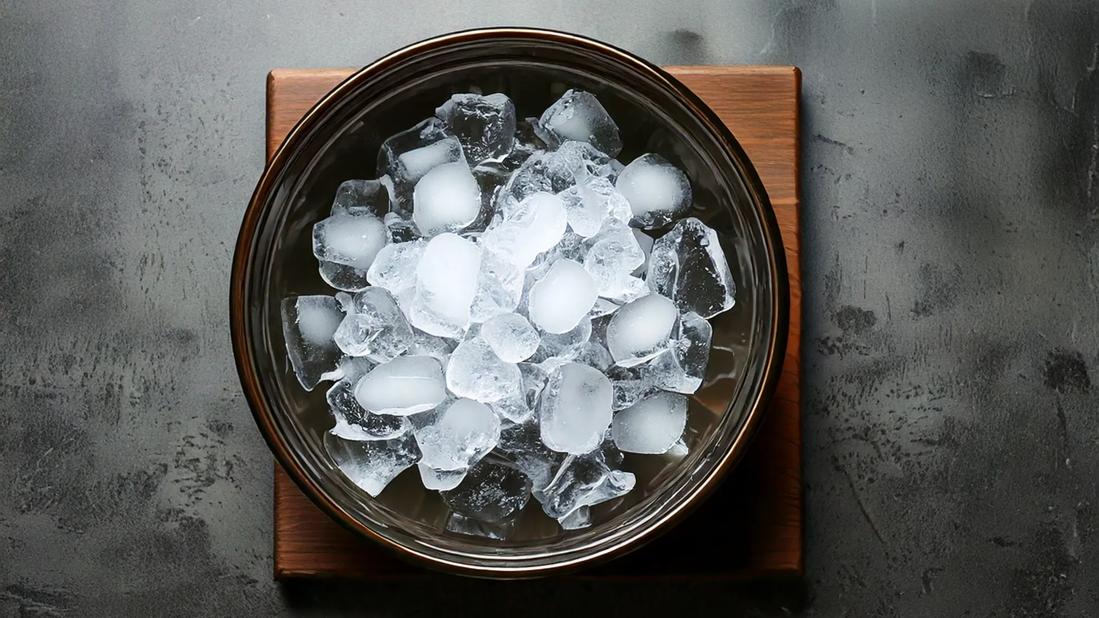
point(424, 344)
point(491, 179)
point(641, 329)
point(534, 225)
point(646, 243)
point(354, 422)
point(460, 524)
point(629, 391)
point(688, 266)
point(583, 481)
point(521, 444)
point(375, 327)
point(474, 371)
point(552, 172)
point(513, 409)
point(490, 492)
point(405, 385)
point(592, 203)
point(499, 287)
point(407, 156)
point(446, 199)
point(371, 465)
point(651, 426)
point(575, 409)
point(580, 518)
point(579, 116)
point(361, 196)
point(682, 367)
point(594, 355)
point(458, 437)
point(562, 298)
point(658, 192)
point(613, 256)
point(511, 337)
point(440, 480)
point(394, 267)
point(345, 245)
point(485, 125)
point(308, 323)
point(349, 368)
point(446, 283)
point(564, 345)
point(534, 380)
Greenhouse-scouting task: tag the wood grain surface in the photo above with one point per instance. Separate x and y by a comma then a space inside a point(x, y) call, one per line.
point(752, 525)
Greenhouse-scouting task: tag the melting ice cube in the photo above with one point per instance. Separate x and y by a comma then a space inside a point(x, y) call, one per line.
point(658, 192)
point(591, 204)
point(652, 425)
point(580, 481)
point(521, 444)
point(446, 199)
point(575, 409)
point(553, 171)
point(485, 125)
point(345, 245)
point(308, 323)
point(446, 283)
point(641, 329)
point(579, 116)
point(562, 297)
point(474, 371)
point(459, 436)
point(372, 464)
point(405, 385)
point(682, 367)
point(499, 287)
point(490, 492)
point(611, 261)
point(688, 266)
point(511, 337)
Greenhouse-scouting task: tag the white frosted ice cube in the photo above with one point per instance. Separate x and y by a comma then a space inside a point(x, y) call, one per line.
point(484, 124)
point(476, 372)
point(459, 436)
point(583, 481)
point(511, 337)
point(345, 246)
point(440, 480)
point(575, 409)
point(446, 283)
point(405, 385)
point(446, 199)
point(688, 266)
point(658, 192)
point(591, 204)
point(308, 323)
point(374, 327)
point(562, 297)
point(394, 267)
point(579, 116)
point(650, 426)
point(371, 465)
point(641, 329)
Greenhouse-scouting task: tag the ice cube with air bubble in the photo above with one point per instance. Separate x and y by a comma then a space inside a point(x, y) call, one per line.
point(484, 124)
point(688, 265)
point(579, 116)
point(657, 191)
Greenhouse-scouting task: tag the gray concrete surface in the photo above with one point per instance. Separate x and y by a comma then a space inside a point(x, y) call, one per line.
point(951, 264)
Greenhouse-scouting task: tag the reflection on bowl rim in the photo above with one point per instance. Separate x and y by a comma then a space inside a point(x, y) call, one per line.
point(246, 363)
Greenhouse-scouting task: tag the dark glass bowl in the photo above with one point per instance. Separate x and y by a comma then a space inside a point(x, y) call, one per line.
point(338, 139)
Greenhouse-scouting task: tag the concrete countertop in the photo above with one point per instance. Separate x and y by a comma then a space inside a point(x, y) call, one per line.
point(950, 259)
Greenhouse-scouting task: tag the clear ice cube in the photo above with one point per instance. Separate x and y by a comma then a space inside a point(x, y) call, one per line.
point(354, 422)
point(641, 329)
point(375, 327)
point(575, 409)
point(681, 367)
point(593, 203)
point(651, 426)
point(475, 372)
point(499, 287)
point(611, 260)
point(628, 391)
point(446, 199)
point(346, 245)
point(446, 283)
point(583, 481)
point(460, 524)
point(458, 437)
point(308, 323)
point(484, 124)
point(579, 116)
point(534, 225)
point(371, 465)
point(403, 386)
point(491, 492)
point(658, 192)
point(511, 337)
point(580, 518)
point(688, 265)
point(513, 409)
point(362, 196)
point(400, 228)
point(521, 444)
point(394, 267)
point(646, 243)
point(563, 297)
point(440, 480)
point(552, 172)
point(407, 156)
point(424, 344)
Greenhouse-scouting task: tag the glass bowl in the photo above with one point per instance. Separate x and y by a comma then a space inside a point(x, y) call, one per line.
point(338, 139)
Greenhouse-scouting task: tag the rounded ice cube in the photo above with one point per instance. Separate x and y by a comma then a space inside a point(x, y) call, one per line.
point(575, 409)
point(564, 295)
point(446, 199)
point(657, 191)
point(405, 385)
point(641, 329)
point(651, 426)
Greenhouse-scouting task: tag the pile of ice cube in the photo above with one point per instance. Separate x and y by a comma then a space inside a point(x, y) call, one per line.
point(505, 321)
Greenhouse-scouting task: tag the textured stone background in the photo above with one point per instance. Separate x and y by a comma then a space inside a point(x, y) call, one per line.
point(951, 261)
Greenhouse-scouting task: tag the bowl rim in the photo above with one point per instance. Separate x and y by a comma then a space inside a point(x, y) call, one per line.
point(263, 414)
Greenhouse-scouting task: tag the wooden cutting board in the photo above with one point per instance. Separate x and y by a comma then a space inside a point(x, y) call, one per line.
point(752, 525)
